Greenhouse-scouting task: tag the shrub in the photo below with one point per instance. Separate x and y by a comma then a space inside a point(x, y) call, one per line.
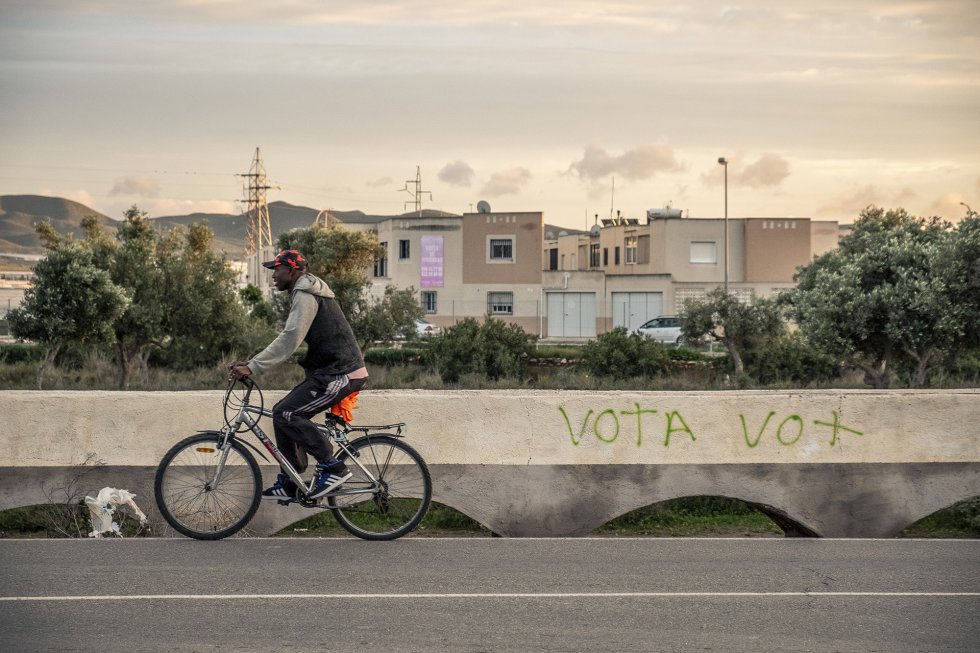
point(789, 358)
point(620, 355)
point(18, 352)
point(493, 349)
point(390, 356)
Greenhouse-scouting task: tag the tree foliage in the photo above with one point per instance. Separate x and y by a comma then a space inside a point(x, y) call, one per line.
point(171, 297)
point(130, 260)
point(891, 296)
point(736, 325)
point(72, 301)
point(339, 256)
point(387, 318)
point(205, 320)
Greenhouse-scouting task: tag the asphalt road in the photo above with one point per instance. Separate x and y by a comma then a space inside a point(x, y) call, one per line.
point(490, 594)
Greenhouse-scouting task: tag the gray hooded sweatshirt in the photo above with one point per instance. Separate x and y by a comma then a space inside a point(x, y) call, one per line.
point(316, 317)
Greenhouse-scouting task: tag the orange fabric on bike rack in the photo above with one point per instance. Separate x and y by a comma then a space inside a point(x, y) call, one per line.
point(345, 407)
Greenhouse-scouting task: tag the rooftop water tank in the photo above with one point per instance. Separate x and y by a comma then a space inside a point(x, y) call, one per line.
point(666, 212)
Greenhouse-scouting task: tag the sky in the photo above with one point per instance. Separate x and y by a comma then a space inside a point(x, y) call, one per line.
point(571, 107)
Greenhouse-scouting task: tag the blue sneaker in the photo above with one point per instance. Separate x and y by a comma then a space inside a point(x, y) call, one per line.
point(283, 490)
point(329, 478)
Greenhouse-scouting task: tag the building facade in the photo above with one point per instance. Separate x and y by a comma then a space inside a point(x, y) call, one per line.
point(571, 285)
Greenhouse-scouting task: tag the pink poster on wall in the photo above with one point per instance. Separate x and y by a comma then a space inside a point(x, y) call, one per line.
point(431, 262)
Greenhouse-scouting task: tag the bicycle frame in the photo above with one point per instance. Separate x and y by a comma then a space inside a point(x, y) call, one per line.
point(336, 435)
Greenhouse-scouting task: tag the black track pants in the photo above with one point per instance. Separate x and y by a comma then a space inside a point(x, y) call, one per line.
point(296, 435)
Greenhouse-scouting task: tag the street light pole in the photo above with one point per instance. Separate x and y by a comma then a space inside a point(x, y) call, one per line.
point(724, 162)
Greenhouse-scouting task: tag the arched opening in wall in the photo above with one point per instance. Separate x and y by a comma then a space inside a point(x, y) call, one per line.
point(962, 519)
point(440, 520)
point(696, 516)
point(63, 520)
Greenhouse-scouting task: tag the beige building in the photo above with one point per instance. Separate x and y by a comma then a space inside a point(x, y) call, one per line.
point(569, 285)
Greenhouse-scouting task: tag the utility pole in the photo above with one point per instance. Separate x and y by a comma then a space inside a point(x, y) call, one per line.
point(417, 193)
point(724, 162)
point(257, 207)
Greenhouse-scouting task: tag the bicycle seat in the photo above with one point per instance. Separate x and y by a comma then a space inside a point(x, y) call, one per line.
point(334, 420)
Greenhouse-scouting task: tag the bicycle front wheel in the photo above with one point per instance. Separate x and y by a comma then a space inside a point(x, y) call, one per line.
point(392, 498)
point(195, 501)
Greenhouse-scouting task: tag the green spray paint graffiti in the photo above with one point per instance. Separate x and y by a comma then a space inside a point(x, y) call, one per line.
point(609, 424)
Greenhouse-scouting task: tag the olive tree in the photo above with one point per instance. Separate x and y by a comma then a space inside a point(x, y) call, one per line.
point(886, 296)
point(130, 260)
point(734, 324)
point(71, 302)
point(206, 319)
point(386, 318)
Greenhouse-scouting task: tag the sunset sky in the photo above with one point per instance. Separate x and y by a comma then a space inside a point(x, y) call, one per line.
point(821, 107)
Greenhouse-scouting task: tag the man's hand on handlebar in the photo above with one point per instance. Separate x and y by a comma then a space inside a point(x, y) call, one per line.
point(238, 370)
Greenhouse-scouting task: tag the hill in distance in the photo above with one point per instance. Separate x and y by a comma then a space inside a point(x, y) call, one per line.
point(19, 213)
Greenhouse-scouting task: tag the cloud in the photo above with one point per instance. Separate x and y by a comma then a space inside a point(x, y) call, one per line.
point(847, 206)
point(639, 163)
point(506, 182)
point(381, 182)
point(457, 173)
point(768, 171)
point(80, 196)
point(949, 206)
point(138, 186)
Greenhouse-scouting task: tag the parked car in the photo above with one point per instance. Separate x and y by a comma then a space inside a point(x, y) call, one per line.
point(423, 328)
point(666, 329)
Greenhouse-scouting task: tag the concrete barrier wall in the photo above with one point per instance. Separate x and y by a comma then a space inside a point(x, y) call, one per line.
point(855, 463)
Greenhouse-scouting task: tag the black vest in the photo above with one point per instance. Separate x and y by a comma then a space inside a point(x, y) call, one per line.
point(331, 346)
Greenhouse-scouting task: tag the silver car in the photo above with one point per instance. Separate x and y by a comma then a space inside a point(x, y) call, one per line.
point(666, 329)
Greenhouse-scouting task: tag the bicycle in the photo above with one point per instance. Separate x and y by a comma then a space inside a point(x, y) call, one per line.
point(208, 486)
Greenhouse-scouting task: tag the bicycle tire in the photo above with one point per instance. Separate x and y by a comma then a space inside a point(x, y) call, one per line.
point(193, 509)
point(401, 503)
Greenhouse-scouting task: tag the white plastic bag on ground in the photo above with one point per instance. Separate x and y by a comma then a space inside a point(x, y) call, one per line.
point(104, 506)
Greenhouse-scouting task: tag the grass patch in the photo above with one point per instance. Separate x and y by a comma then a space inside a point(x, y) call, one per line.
point(693, 516)
point(961, 520)
point(60, 521)
point(439, 520)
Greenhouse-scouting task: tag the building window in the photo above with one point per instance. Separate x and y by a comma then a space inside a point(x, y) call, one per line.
point(429, 301)
point(594, 255)
point(404, 250)
point(381, 263)
point(631, 250)
point(616, 255)
point(553, 258)
point(605, 257)
point(502, 249)
point(703, 252)
point(500, 303)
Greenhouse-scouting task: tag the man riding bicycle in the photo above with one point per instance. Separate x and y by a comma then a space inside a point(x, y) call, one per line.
point(334, 368)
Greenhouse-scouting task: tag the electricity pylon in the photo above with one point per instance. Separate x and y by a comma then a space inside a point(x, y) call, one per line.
point(418, 192)
point(257, 207)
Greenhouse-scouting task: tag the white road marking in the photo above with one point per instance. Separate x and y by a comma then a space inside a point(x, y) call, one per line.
point(493, 595)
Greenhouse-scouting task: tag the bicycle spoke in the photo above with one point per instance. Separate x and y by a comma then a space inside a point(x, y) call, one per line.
point(400, 493)
point(197, 504)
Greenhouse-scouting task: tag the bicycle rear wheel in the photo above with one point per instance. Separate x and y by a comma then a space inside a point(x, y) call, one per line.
point(395, 502)
point(188, 500)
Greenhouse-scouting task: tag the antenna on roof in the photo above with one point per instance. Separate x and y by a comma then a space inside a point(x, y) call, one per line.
point(612, 198)
point(418, 192)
